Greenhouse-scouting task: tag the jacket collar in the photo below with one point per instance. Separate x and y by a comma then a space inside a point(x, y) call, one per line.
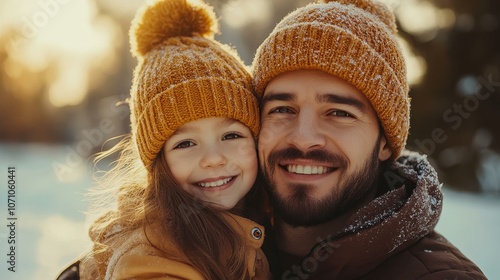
point(252, 233)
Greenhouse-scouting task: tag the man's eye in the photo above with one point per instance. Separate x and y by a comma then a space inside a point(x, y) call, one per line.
point(231, 135)
point(281, 110)
point(343, 114)
point(184, 144)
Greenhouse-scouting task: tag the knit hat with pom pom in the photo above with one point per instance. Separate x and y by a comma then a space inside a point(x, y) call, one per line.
point(183, 74)
point(351, 39)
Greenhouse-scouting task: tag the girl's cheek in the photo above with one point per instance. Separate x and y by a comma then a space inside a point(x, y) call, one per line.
point(246, 148)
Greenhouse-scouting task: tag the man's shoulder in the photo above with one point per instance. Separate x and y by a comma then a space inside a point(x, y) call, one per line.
point(432, 257)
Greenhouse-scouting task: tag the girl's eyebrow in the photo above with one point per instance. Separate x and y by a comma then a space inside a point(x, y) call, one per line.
point(190, 129)
point(226, 122)
point(339, 99)
point(184, 129)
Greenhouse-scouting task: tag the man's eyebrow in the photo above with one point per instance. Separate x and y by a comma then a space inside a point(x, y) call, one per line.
point(335, 98)
point(276, 96)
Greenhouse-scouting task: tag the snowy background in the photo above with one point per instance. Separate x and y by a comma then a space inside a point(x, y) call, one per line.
point(51, 225)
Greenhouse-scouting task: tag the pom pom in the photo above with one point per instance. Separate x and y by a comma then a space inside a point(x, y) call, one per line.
point(373, 7)
point(164, 19)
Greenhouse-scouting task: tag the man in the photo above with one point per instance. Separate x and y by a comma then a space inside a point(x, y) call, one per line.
point(348, 202)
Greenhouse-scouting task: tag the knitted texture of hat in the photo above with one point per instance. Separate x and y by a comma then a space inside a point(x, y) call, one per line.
point(351, 39)
point(183, 74)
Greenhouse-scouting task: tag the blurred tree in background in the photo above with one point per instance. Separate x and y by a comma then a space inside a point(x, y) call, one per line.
point(456, 106)
point(65, 64)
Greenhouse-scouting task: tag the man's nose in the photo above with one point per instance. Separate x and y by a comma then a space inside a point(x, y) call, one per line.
point(306, 133)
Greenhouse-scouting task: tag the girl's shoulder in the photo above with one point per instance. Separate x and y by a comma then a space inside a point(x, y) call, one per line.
point(137, 253)
point(251, 232)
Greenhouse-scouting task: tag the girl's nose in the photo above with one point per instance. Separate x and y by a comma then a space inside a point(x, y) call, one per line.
point(213, 156)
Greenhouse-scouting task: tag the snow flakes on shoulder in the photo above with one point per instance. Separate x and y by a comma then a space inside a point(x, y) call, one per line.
point(423, 207)
point(415, 167)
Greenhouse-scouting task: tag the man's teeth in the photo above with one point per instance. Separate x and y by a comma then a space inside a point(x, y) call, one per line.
point(307, 169)
point(217, 183)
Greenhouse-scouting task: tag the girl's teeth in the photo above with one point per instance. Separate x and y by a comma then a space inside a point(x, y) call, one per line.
point(217, 183)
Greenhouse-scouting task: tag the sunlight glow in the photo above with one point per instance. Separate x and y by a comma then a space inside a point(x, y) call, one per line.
point(423, 19)
point(415, 64)
point(67, 40)
point(239, 13)
point(122, 9)
point(71, 85)
point(393, 4)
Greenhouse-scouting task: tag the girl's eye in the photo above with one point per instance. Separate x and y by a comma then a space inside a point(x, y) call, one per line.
point(183, 145)
point(231, 135)
point(281, 110)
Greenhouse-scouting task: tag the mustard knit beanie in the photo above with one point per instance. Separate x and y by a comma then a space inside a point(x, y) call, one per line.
point(352, 39)
point(183, 74)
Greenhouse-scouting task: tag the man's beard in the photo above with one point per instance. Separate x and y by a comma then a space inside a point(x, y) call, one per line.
point(299, 209)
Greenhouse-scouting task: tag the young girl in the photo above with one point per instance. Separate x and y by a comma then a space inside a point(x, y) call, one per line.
point(183, 181)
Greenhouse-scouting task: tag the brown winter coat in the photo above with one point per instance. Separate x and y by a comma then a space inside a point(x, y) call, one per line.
point(132, 256)
point(392, 237)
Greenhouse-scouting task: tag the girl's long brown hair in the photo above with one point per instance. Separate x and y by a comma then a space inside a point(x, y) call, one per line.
point(139, 197)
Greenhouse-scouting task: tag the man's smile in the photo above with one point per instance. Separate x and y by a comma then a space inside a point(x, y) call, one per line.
point(307, 169)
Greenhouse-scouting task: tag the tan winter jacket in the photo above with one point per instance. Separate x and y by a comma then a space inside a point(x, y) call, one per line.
point(134, 257)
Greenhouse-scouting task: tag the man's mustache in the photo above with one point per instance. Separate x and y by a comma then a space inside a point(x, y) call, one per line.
point(319, 155)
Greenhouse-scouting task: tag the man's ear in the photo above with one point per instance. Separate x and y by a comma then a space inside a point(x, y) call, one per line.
point(384, 149)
